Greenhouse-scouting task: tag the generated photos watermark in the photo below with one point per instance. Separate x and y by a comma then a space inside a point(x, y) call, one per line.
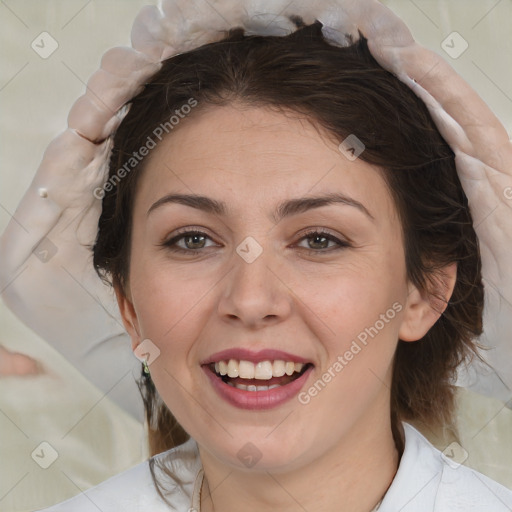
point(344, 359)
point(151, 142)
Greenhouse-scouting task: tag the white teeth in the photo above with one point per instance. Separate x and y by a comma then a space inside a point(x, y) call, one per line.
point(246, 370)
point(223, 368)
point(264, 370)
point(278, 368)
point(233, 368)
point(251, 387)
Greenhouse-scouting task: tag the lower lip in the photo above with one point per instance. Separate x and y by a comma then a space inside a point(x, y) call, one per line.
point(257, 400)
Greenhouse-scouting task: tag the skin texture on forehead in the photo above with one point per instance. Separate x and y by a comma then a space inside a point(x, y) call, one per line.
point(255, 132)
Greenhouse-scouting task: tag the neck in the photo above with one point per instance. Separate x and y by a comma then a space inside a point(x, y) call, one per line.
point(353, 476)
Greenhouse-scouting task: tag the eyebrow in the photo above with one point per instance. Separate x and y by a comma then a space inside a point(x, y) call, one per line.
point(285, 209)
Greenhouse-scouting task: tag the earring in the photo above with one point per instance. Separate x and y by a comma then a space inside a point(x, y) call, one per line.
point(145, 367)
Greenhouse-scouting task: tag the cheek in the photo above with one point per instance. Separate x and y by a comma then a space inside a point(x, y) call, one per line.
point(166, 300)
point(362, 307)
point(363, 312)
point(364, 321)
point(173, 306)
point(358, 291)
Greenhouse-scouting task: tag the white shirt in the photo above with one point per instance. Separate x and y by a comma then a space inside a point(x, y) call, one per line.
point(426, 481)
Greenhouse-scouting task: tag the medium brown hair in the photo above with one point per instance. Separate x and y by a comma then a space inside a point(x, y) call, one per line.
point(343, 91)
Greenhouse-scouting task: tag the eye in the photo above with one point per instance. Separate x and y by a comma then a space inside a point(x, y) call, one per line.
point(321, 241)
point(193, 241)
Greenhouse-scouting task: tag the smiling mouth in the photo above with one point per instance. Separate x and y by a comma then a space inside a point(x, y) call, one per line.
point(261, 376)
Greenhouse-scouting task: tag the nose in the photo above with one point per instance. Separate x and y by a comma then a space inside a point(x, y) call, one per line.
point(254, 293)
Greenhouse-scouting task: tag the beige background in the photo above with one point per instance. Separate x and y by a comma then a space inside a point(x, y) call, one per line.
point(93, 437)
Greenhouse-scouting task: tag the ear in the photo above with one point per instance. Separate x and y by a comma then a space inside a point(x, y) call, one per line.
point(424, 307)
point(129, 316)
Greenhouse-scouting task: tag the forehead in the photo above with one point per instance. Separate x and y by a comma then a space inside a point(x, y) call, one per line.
point(256, 153)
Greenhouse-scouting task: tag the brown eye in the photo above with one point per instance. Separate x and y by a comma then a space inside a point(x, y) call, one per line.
point(318, 241)
point(195, 241)
point(187, 242)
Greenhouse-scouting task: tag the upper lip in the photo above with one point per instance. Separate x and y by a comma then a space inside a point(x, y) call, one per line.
point(243, 354)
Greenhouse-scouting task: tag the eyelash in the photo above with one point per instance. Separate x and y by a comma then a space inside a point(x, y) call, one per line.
point(171, 244)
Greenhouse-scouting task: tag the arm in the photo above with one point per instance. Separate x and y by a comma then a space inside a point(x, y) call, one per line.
point(46, 276)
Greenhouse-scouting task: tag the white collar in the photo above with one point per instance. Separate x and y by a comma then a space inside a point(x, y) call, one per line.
point(426, 481)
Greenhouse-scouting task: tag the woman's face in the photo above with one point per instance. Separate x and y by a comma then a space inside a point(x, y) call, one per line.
point(254, 281)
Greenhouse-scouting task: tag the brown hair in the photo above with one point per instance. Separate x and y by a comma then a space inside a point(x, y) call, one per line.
point(343, 91)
